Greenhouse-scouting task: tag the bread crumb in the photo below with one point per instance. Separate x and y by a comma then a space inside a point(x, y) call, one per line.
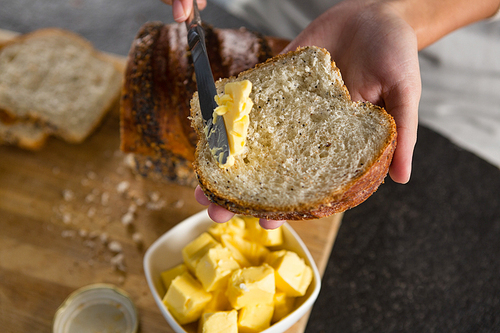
point(122, 186)
point(68, 195)
point(66, 218)
point(128, 218)
point(91, 212)
point(156, 205)
point(91, 175)
point(89, 243)
point(154, 196)
point(118, 262)
point(56, 170)
point(103, 238)
point(68, 233)
point(90, 198)
point(179, 204)
point(83, 233)
point(139, 202)
point(137, 238)
point(115, 246)
point(130, 161)
point(105, 198)
point(132, 208)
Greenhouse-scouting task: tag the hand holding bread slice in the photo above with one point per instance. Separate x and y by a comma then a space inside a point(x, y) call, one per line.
point(310, 151)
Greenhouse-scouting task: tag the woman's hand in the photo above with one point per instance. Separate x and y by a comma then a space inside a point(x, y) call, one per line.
point(182, 8)
point(377, 53)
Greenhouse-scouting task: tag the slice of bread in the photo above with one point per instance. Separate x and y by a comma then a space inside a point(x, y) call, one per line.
point(311, 151)
point(57, 79)
point(26, 135)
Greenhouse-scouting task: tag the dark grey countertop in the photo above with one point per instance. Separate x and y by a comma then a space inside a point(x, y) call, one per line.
point(421, 257)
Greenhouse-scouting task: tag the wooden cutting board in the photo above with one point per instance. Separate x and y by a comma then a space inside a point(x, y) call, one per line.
point(61, 207)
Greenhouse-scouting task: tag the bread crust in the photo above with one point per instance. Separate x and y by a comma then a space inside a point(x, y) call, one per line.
point(349, 196)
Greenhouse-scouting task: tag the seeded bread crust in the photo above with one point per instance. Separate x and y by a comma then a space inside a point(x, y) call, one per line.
point(351, 194)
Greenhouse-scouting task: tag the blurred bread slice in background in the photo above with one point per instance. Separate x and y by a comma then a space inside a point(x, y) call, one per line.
point(54, 82)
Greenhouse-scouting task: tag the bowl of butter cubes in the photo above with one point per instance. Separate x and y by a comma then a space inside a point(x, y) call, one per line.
point(231, 277)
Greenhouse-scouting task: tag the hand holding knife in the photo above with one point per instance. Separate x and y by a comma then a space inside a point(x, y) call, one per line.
point(216, 132)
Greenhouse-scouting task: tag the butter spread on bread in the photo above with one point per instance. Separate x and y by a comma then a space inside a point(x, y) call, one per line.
point(234, 106)
point(310, 151)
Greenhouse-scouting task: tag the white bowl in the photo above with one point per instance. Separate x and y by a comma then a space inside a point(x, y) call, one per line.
point(165, 253)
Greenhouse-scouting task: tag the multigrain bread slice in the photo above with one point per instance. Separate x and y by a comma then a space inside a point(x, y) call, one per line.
point(56, 78)
point(311, 151)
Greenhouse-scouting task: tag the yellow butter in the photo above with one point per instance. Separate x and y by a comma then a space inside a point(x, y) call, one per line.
point(235, 226)
point(219, 302)
point(214, 268)
point(283, 305)
point(255, 318)
point(219, 322)
point(195, 250)
point(262, 236)
point(254, 252)
point(235, 106)
point(251, 285)
point(185, 298)
point(292, 274)
point(168, 275)
point(237, 255)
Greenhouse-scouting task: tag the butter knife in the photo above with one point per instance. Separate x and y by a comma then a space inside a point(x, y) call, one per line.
point(216, 132)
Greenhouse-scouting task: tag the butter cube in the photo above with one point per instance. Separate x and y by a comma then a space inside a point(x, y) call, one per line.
point(235, 226)
point(168, 275)
point(235, 251)
point(214, 268)
point(262, 236)
point(194, 251)
point(283, 305)
point(254, 252)
point(219, 302)
point(292, 274)
point(185, 298)
point(255, 318)
point(219, 322)
point(251, 285)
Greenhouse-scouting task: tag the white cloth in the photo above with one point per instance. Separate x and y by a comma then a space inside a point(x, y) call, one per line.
point(460, 72)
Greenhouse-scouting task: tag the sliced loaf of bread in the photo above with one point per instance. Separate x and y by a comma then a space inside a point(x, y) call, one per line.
point(56, 79)
point(310, 152)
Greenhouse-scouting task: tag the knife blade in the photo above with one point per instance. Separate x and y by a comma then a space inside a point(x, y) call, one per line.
point(215, 131)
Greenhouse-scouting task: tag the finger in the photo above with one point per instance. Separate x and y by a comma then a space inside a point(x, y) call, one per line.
point(270, 224)
point(406, 117)
point(181, 10)
point(400, 169)
point(201, 197)
point(201, 4)
point(219, 214)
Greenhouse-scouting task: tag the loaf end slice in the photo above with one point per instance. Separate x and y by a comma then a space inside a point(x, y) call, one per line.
point(310, 152)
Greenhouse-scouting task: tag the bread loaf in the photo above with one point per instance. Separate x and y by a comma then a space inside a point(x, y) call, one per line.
point(310, 150)
point(53, 81)
point(159, 83)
